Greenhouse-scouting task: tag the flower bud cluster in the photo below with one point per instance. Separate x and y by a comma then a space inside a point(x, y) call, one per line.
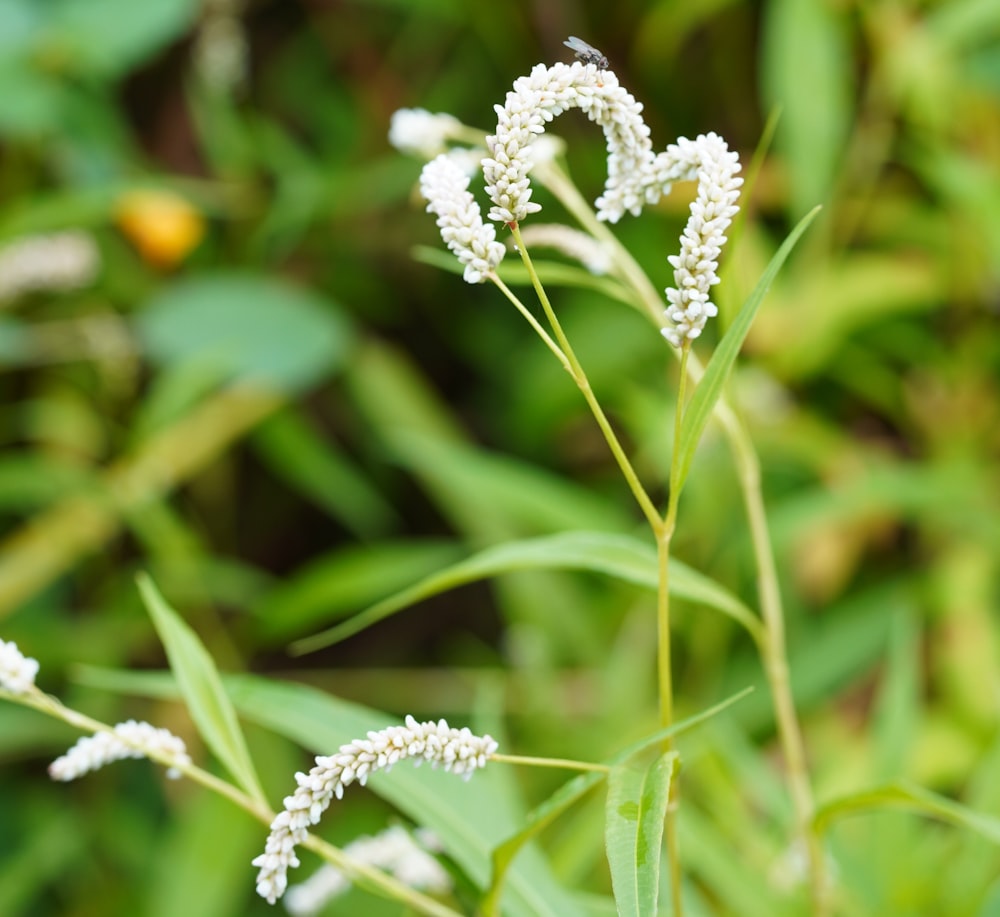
point(456, 750)
point(130, 739)
point(393, 850)
point(422, 133)
point(17, 671)
point(708, 159)
point(444, 184)
point(543, 95)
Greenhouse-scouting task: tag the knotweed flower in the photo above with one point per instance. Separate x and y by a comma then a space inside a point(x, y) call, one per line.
point(444, 184)
point(130, 739)
point(422, 133)
point(17, 671)
point(571, 242)
point(393, 850)
point(456, 750)
point(57, 261)
point(543, 95)
point(709, 160)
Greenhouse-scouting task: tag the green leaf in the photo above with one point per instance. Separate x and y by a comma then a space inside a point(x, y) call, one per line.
point(109, 37)
point(247, 327)
point(201, 686)
point(539, 818)
point(636, 806)
point(335, 584)
point(572, 791)
point(709, 389)
point(620, 556)
point(901, 794)
point(807, 70)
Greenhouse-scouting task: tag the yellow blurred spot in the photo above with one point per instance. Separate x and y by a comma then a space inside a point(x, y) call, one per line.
point(163, 226)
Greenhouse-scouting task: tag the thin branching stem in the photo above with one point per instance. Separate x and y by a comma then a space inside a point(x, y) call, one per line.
point(576, 371)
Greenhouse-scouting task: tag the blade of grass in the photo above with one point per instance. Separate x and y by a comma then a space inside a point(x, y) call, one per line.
point(201, 687)
point(620, 556)
point(710, 387)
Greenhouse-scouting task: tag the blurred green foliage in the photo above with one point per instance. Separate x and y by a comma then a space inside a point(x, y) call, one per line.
point(296, 419)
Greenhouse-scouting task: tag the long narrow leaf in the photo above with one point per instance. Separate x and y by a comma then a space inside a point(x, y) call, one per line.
point(574, 790)
point(620, 556)
point(201, 687)
point(636, 806)
point(710, 387)
point(903, 795)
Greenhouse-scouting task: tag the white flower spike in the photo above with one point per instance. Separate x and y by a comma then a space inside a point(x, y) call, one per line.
point(394, 850)
point(130, 739)
point(17, 671)
point(444, 184)
point(456, 750)
point(543, 95)
point(709, 160)
point(422, 133)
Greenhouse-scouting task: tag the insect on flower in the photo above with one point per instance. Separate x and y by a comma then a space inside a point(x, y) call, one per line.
point(586, 54)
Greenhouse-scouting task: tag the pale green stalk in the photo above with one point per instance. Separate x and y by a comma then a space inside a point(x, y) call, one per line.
point(360, 873)
point(573, 367)
point(774, 655)
point(662, 530)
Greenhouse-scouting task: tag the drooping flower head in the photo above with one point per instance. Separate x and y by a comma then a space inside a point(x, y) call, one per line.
point(444, 184)
point(456, 750)
point(537, 99)
point(708, 159)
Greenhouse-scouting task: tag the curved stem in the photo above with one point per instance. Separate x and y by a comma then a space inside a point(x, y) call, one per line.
point(573, 367)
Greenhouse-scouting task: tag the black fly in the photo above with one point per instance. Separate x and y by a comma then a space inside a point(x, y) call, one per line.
point(585, 53)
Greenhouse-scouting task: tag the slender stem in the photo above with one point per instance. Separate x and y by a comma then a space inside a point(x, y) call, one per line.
point(562, 763)
point(775, 661)
point(575, 370)
point(773, 648)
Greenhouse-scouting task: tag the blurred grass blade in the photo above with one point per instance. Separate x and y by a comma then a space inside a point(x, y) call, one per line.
point(539, 818)
point(574, 790)
point(636, 806)
point(620, 556)
point(901, 794)
point(201, 687)
point(710, 387)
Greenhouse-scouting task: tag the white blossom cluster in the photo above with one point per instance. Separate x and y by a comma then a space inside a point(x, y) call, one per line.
point(17, 671)
point(130, 739)
point(456, 750)
point(444, 184)
point(538, 98)
point(394, 850)
point(708, 159)
point(422, 133)
point(571, 242)
point(57, 261)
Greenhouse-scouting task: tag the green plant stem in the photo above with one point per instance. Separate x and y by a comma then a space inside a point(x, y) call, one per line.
point(374, 880)
point(573, 367)
point(665, 677)
point(561, 763)
point(774, 656)
point(775, 662)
